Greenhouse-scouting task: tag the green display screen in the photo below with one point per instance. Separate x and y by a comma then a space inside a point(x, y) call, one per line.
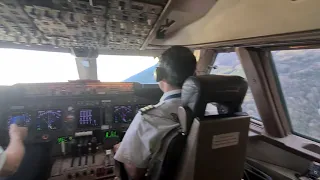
point(111, 134)
point(64, 139)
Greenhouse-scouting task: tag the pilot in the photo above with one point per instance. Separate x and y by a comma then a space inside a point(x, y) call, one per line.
point(11, 158)
point(152, 123)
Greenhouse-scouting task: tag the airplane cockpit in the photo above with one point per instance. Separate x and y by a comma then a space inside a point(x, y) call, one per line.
point(80, 121)
point(251, 110)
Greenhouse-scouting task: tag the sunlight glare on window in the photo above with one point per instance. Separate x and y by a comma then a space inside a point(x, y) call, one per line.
point(26, 66)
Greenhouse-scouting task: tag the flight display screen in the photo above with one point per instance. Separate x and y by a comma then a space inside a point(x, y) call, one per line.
point(23, 118)
point(89, 117)
point(49, 120)
point(123, 114)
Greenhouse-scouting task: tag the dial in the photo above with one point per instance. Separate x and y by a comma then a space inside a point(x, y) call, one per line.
point(49, 119)
point(24, 118)
point(89, 117)
point(123, 114)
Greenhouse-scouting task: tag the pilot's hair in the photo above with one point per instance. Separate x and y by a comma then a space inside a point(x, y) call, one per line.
point(179, 63)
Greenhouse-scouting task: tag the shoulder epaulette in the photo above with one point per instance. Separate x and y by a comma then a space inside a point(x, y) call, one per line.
point(146, 109)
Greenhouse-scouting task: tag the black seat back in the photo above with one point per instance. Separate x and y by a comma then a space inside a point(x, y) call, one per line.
point(216, 144)
point(165, 162)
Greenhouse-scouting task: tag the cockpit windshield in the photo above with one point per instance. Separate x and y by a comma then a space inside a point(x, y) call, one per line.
point(126, 69)
point(27, 66)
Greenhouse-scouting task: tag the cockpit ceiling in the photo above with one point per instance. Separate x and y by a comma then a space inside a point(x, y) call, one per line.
point(134, 25)
point(241, 19)
point(100, 24)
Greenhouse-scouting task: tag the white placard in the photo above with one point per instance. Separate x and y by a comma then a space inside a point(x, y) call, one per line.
point(225, 140)
point(85, 133)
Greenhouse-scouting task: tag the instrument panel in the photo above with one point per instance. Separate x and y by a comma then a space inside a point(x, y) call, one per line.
point(58, 118)
point(81, 121)
point(123, 114)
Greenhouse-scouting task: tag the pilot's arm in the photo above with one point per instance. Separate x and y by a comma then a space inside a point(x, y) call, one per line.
point(11, 158)
point(135, 149)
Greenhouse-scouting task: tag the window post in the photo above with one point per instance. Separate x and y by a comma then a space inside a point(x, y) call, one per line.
point(259, 82)
point(205, 59)
point(86, 60)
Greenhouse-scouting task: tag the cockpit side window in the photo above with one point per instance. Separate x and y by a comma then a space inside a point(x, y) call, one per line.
point(229, 64)
point(298, 72)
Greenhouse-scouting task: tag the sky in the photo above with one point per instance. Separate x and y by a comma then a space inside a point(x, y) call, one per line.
point(119, 68)
point(26, 66)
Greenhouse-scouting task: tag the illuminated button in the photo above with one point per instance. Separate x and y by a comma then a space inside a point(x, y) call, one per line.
point(45, 136)
point(69, 118)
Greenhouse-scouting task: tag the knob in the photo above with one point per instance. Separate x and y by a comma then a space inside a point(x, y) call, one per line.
point(84, 173)
point(47, 14)
point(92, 171)
point(72, 19)
point(33, 11)
point(77, 175)
point(69, 176)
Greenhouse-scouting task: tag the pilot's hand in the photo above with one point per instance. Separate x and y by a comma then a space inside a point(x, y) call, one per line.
point(18, 133)
point(116, 147)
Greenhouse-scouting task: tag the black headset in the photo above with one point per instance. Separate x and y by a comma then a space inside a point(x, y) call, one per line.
point(174, 72)
point(160, 73)
point(166, 73)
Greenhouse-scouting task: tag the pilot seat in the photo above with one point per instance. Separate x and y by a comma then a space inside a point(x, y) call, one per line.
point(206, 147)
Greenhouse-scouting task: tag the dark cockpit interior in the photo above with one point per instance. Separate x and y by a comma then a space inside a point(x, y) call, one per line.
point(257, 72)
point(72, 126)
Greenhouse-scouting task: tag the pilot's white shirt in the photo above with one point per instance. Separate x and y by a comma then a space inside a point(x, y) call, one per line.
point(2, 158)
point(143, 137)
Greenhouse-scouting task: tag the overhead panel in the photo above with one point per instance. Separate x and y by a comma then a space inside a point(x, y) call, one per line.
point(106, 24)
point(230, 20)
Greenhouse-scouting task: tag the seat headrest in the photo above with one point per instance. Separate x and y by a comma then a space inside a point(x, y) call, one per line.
point(225, 90)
